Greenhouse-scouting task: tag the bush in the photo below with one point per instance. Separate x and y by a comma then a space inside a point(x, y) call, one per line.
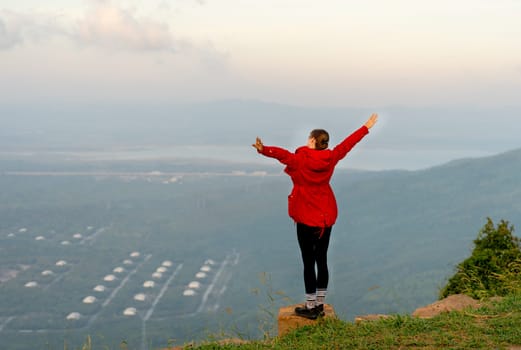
point(493, 268)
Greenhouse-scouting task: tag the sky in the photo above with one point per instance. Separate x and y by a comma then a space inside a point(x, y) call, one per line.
point(305, 53)
point(458, 58)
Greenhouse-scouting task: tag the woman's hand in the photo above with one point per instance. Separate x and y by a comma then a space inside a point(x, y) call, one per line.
point(371, 121)
point(258, 145)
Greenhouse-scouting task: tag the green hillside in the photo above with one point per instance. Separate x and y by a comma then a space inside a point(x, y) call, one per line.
point(398, 238)
point(403, 233)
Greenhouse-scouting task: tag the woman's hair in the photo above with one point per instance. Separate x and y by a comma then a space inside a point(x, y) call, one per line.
point(321, 138)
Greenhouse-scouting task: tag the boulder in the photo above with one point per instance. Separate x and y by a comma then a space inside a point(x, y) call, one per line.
point(288, 321)
point(456, 302)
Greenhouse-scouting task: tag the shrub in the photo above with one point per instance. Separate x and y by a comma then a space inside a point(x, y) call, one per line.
point(493, 268)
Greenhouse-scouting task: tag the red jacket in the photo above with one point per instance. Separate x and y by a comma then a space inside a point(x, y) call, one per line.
point(312, 201)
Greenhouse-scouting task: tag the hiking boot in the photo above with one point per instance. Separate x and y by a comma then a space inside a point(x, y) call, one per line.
point(311, 314)
point(320, 309)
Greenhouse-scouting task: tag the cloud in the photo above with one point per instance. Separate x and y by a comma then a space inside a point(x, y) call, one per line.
point(109, 26)
point(16, 28)
point(19, 28)
point(8, 37)
point(102, 25)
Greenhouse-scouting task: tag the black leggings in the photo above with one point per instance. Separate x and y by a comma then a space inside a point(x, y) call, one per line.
point(313, 242)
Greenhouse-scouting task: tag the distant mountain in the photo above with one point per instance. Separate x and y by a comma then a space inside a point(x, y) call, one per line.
point(418, 136)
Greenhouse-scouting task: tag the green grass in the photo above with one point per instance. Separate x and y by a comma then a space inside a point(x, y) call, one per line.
point(494, 326)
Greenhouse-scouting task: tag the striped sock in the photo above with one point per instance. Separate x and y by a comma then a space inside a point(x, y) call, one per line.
point(321, 296)
point(311, 300)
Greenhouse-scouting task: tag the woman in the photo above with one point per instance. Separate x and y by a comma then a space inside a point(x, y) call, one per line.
point(312, 204)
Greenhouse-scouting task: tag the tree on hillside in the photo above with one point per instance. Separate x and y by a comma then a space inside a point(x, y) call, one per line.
point(494, 266)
